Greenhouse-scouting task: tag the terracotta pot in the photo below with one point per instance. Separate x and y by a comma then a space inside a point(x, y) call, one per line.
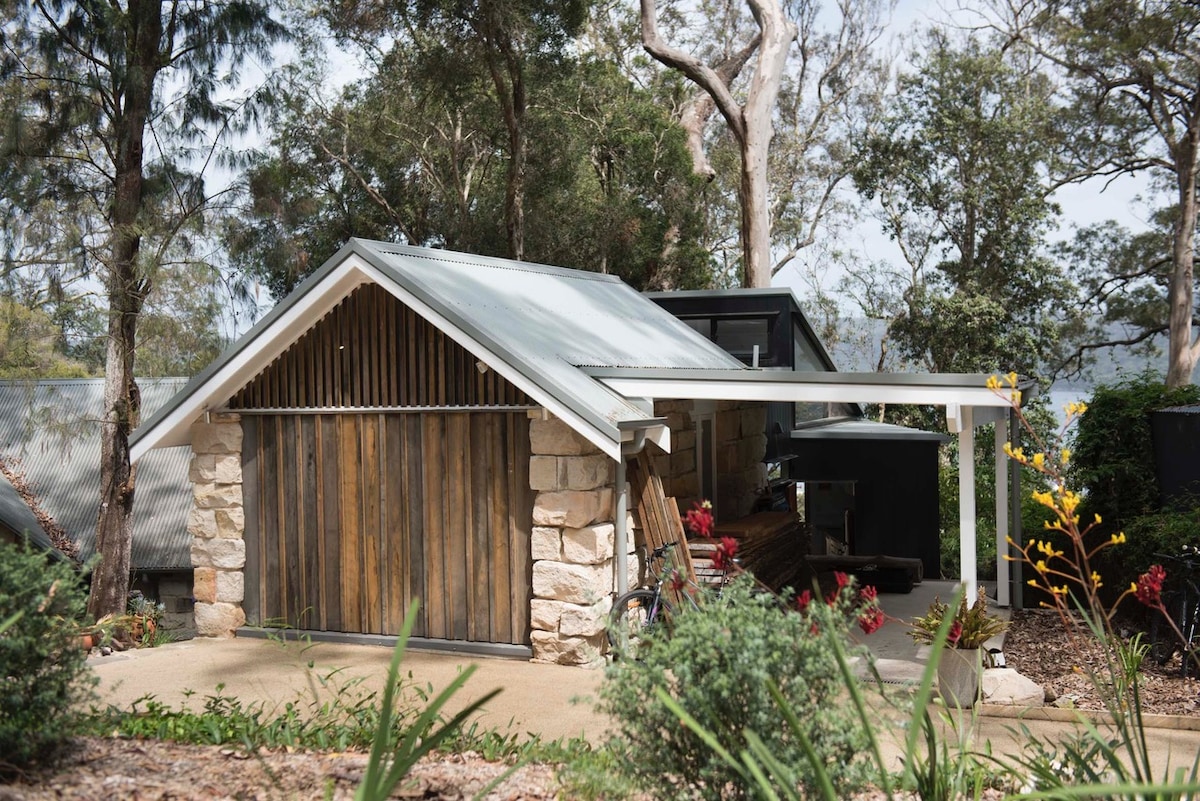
point(958, 676)
point(87, 641)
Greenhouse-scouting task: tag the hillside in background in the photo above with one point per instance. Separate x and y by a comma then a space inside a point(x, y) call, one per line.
point(858, 351)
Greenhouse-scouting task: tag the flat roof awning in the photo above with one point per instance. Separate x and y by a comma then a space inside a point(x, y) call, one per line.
point(936, 389)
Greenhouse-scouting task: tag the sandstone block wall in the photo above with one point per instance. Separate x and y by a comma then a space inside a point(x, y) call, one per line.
point(573, 539)
point(740, 431)
point(217, 524)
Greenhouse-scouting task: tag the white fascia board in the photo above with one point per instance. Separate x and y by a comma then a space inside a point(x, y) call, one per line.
point(790, 391)
point(251, 360)
point(600, 439)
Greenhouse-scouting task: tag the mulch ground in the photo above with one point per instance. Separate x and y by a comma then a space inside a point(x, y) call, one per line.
point(1038, 645)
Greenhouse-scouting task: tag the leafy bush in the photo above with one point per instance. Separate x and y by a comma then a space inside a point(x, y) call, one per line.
point(43, 669)
point(718, 663)
point(1113, 454)
point(1146, 535)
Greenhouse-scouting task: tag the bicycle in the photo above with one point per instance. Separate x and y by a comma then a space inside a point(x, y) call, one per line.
point(640, 611)
point(1187, 601)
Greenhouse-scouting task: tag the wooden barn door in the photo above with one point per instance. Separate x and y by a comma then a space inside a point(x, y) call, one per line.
point(350, 516)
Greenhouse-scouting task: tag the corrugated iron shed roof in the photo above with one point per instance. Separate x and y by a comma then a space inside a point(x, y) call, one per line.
point(18, 518)
point(51, 430)
point(541, 324)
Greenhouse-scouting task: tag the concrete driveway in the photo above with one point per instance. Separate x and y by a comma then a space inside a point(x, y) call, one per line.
point(548, 700)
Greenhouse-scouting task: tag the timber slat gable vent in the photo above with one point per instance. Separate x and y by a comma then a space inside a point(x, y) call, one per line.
point(373, 352)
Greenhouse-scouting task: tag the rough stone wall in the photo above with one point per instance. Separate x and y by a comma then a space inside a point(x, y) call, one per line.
point(677, 469)
point(573, 540)
point(740, 430)
point(741, 444)
point(217, 524)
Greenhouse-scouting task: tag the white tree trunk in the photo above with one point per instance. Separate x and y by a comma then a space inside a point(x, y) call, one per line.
point(1181, 350)
point(750, 125)
point(778, 33)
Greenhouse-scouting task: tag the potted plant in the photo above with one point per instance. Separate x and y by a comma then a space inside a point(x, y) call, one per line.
point(144, 616)
point(960, 666)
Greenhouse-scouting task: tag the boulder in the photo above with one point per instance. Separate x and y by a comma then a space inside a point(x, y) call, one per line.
point(1006, 686)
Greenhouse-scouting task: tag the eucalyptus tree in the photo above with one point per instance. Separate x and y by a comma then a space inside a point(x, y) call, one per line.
point(748, 121)
point(1126, 280)
point(962, 170)
point(1135, 74)
point(793, 88)
point(114, 105)
point(404, 154)
point(465, 42)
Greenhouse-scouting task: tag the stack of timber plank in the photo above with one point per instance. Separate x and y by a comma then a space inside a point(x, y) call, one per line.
point(658, 517)
point(771, 546)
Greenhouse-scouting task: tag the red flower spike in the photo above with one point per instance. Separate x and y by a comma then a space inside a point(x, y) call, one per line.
point(678, 582)
point(1149, 586)
point(868, 594)
point(726, 550)
point(870, 620)
point(841, 578)
point(803, 600)
point(699, 519)
point(955, 634)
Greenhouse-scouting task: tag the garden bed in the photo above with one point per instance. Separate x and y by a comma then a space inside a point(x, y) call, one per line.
point(1038, 646)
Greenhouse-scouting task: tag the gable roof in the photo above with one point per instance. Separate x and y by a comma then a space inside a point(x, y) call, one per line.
point(542, 328)
point(50, 431)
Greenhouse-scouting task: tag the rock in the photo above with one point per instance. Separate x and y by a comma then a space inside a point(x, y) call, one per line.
point(576, 584)
point(1008, 687)
point(590, 545)
point(545, 543)
point(570, 508)
point(553, 437)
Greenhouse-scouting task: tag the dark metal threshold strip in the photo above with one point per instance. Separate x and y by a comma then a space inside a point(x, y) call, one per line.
point(501, 650)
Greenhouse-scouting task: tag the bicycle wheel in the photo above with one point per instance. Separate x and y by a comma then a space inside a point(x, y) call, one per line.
point(633, 614)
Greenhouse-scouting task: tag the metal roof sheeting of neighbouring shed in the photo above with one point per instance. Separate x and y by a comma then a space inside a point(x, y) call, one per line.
point(17, 517)
point(856, 428)
point(50, 431)
point(537, 326)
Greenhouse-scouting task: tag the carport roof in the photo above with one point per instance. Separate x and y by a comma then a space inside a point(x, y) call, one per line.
point(937, 389)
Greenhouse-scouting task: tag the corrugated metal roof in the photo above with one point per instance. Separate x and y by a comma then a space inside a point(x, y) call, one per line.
point(17, 517)
point(550, 321)
point(544, 323)
point(51, 428)
point(1191, 408)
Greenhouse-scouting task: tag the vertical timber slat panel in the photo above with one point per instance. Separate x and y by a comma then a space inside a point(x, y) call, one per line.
point(520, 517)
point(371, 534)
point(349, 532)
point(396, 590)
point(480, 568)
point(251, 483)
point(432, 436)
point(310, 538)
point(331, 514)
point(414, 512)
point(458, 515)
point(290, 504)
point(501, 574)
point(272, 608)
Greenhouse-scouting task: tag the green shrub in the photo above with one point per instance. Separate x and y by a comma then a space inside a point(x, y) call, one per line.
point(43, 669)
point(717, 664)
point(1113, 451)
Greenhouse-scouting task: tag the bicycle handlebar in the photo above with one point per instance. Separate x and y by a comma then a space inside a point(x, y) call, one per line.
point(660, 552)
